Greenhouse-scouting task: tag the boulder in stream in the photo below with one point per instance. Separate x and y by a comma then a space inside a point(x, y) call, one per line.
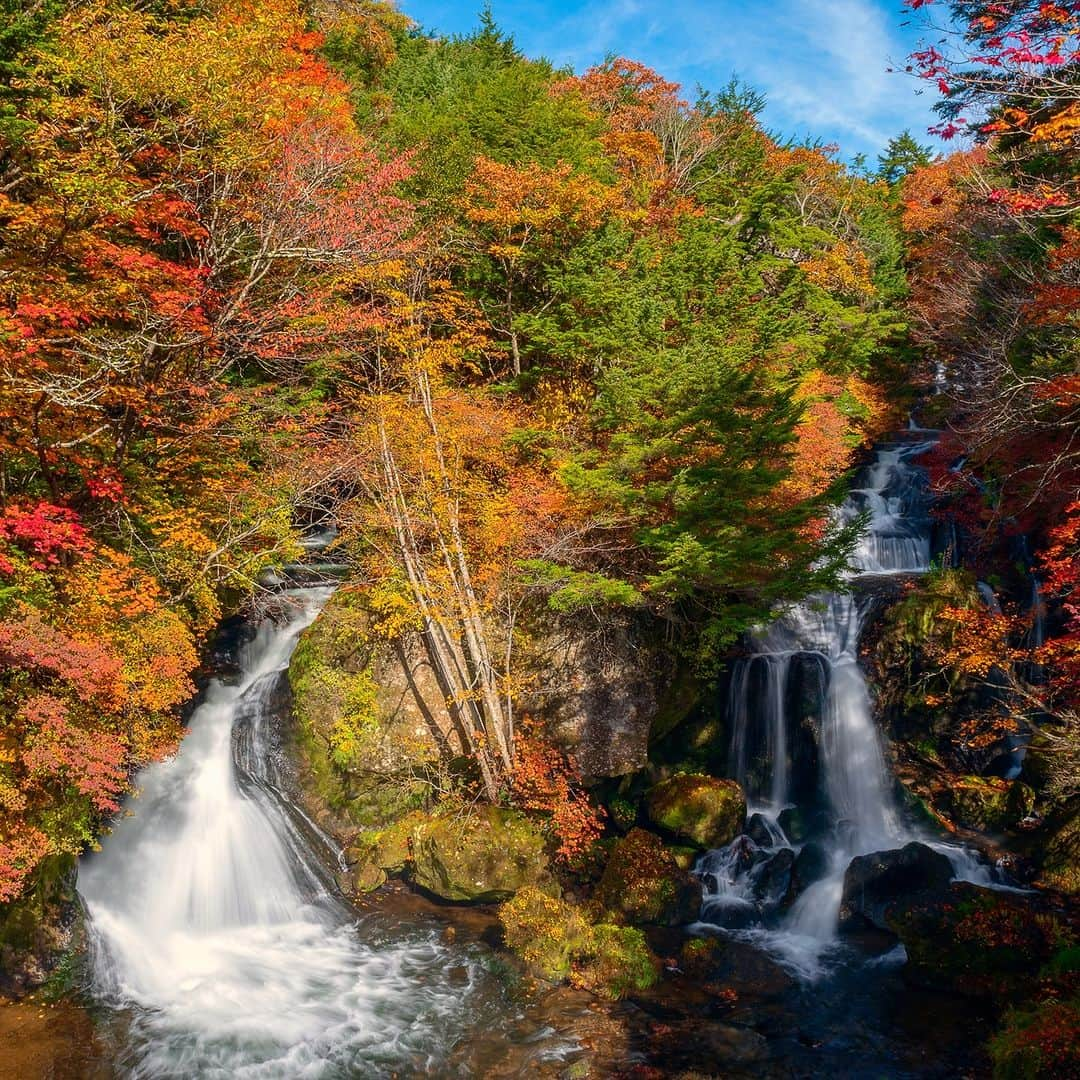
point(483, 854)
point(772, 879)
point(873, 882)
point(700, 809)
point(811, 864)
point(988, 804)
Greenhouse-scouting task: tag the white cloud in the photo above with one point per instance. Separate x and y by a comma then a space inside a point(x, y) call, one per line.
point(823, 66)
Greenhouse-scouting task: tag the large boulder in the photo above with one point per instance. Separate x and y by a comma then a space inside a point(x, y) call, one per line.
point(604, 698)
point(702, 810)
point(643, 884)
point(874, 882)
point(811, 864)
point(483, 855)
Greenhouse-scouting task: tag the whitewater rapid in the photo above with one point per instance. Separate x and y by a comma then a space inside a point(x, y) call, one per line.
point(215, 931)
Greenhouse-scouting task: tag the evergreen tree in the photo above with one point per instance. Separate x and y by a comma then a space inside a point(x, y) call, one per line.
point(903, 155)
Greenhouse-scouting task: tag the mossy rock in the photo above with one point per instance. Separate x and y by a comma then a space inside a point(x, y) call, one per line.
point(363, 740)
point(989, 805)
point(482, 854)
point(698, 957)
point(558, 941)
point(38, 929)
point(375, 854)
point(702, 810)
point(1058, 852)
point(367, 877)
point(976, 941)
point(643, 884)
point(1040, 1042)
point(546, 932)
point(618, 961)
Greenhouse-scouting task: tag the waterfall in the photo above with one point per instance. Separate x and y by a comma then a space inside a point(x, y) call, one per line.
point(215, 929)
point(852, 787)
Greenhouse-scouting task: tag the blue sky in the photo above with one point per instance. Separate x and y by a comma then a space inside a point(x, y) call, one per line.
point(821, 63)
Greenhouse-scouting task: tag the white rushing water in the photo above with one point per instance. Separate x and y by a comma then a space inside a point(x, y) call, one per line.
point(215, 929)
point(852, 785)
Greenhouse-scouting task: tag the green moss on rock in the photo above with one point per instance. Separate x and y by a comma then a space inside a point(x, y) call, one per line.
point(978, 942)
point(989, 805)
point(482, 854)
point(546, 932)
point(618, 960)
point(365, 751)
point(643, 884)
point(1058, 852)
point(702, 810)
point(558, 941)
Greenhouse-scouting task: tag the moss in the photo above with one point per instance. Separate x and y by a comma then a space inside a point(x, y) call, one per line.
point(700, 809)
point(1040, 1043)
point(1058, 852)
point(685, 857)
point(363, 758)
point(37, 930)
point(698, 956)
point(483, 854)
point(546, 932)
point(990, 805)
point(623, 813)
point(618, 961)
point(558, 941)
point(643, 884)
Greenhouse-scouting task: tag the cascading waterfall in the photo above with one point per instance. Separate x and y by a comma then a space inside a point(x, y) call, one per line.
point(214, 926)
point(851, 785)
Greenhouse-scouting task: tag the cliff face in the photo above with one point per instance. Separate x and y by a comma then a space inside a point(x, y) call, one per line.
point(372, 718)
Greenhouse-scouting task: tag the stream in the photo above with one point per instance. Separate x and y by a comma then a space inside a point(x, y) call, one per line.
point(220, 946)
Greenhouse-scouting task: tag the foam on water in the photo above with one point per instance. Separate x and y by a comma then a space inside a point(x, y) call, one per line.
point(217, 930)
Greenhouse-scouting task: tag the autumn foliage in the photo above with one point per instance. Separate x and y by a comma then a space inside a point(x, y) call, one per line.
point(549, 350)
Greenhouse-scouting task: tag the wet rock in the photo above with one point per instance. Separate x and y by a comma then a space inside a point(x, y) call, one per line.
point(642, 882)
point(811, 864)
point(700, 809)
point(975, 941)
point(757, 828)
point(796, 823)
point(873, 882)
point(732, 1044)
point(772, 879)
point(482, 855)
